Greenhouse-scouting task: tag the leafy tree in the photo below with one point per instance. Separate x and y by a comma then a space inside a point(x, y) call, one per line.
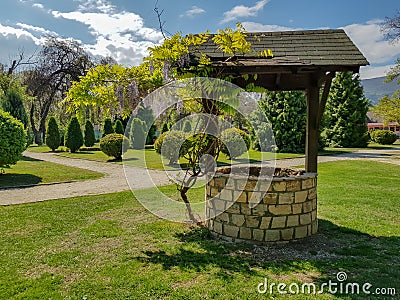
point(12, 139)
point(235, 142)
point(74, 137)
point(12, 101)
point(388, 108)
point(119, 127)
point(345, 113)
point(90, 138)
point(53, 134)
point(137, 133)
point(108, 128)
point(169, 145)
point(391, 28)
point(287, 113)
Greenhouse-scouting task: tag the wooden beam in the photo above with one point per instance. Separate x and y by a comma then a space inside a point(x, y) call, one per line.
point(324, 96)
point(312, 93)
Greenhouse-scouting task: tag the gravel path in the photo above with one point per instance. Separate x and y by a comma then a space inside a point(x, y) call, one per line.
point(114, 179)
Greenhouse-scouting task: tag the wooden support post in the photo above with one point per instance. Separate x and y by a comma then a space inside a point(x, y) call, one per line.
point(312, 127)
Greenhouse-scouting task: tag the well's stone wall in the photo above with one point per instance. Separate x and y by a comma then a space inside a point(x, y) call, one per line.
point(287, 208)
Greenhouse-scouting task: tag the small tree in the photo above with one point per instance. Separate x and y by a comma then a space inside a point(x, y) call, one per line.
point(235, 142)
point(52, 134)
point(119, 127)
point(108, 128)
point(137, 133)
point(90, 138)
point(169, 145)
point(13, 102)
point(74, 137)
point(12, 139)
point(111, 144)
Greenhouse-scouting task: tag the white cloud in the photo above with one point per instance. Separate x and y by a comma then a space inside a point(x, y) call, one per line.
point(103, 6)
point(241, 11)
point(371, 41)
point(372, 72)
point(38, 5)
point(36, 29)
point(120, 35)
point(193, 11)
point(258, 27)
point(8, 31)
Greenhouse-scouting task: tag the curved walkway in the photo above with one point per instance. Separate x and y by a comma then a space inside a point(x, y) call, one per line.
point(114, 179)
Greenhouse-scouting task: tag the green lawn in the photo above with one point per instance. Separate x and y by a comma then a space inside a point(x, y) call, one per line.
point(29, 171)
point(110, 247)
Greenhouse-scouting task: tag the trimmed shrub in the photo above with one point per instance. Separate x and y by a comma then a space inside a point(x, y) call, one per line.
point(164, 128)
point(12, 139)
point(119, 127)
point(13, 102)
point(74, 137)
point(112, 143)
point(234, 142)
point(108, 128)
point(169, 144)
point(90, 139)
point(383, 137)
point(137, 133)
point(52, 134)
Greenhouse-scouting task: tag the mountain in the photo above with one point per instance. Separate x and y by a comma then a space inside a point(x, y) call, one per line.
point(376, 88)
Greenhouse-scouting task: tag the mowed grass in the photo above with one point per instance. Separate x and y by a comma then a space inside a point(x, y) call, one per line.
point(29, 171)
point(149, 158)
point(110, 247)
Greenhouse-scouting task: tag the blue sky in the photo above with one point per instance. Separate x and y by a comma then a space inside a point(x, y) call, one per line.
point(124, 29)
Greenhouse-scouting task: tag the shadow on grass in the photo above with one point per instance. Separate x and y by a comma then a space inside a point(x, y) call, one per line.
point(319, 258)
point(18, 180)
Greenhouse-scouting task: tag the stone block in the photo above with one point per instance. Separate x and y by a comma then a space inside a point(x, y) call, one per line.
point(270, 198)
point(240, 184)
point(265, 222)
point(260, 210)
point(264, 185)
point(292, 221)
point(307, 206)
point(214, 192)
point(314, 227)
point(279, 186)
point(314, 204)
point(286, 198)
point(230, 230)
point(219, 182)
point(226, 195)
point(245, 209)
point(272, 235)
point(307, 183)
point(218, 204)
point(300, 232)
point(230, 184)
point(287, 234)
point(217, 227)
point(305, 219)
point(280, 209)
point(233, 209)
point(239, 196)
point(301, 196)
point(278, 222)
point(313, 215)
point(245, 233)
point(252, 221)
point(297, 208)
point(293, 185)
point(222, 218)
point(237, 220)
point(250, 185)
point(312, 194)
point(254, 197)
point(258, 234)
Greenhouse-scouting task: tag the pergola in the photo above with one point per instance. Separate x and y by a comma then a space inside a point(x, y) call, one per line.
point(303, 60)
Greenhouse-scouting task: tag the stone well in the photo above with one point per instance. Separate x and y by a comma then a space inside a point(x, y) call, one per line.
point(285, 208)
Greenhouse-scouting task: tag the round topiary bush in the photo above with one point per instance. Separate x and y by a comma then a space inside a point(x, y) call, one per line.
point(383, 137)
point(234, 142)
point(12, 139)
point(112, 143)
point(53, 135)
point(169, 145)
point(74, 137)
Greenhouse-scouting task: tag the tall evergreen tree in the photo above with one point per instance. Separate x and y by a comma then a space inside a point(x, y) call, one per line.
point(90, 138)
point(52, 134)
point(287, 113)
point(108, 128)
point(13, 102)
point(74, 137)
point(119, 127)
point(345, 114)
point(137, 133)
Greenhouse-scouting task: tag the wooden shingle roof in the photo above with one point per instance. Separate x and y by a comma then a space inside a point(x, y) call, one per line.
point(330, 50)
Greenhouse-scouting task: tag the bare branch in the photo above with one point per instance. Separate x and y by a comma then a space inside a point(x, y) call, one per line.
point(160, 22)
